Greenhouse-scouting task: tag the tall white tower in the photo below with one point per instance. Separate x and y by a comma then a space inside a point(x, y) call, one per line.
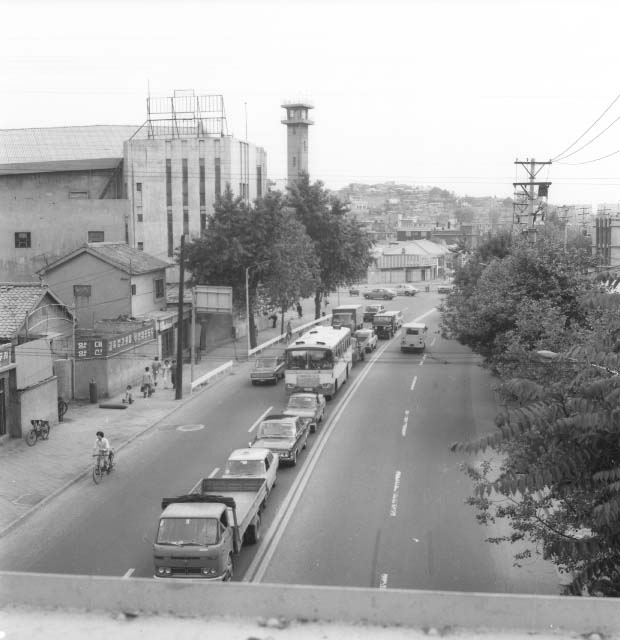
point(297, 123)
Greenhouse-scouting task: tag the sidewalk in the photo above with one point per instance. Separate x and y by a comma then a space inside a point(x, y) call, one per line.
point(31, 476)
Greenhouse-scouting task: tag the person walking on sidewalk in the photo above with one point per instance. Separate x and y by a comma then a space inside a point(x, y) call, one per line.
point(289, 331)
point(155, 367)
point(165, 374)
point(300, 312)
point(147, 383)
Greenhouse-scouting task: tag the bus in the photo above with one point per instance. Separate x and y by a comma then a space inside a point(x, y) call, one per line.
point(319, 361)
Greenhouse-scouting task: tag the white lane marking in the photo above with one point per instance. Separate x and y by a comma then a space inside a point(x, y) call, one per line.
point(423, 359)
point(259, 420)
point(394, 507)
point(433, 341)
point(405, 422)
point(415, 379)
point(214, 472)
point(128, 574)
point(190, 427)
point(383, 581)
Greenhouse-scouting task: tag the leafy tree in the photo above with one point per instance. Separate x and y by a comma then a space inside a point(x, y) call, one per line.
point(342, 248)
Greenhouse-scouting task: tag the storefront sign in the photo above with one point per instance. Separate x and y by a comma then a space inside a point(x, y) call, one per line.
point(102, 347)
point(5, 355)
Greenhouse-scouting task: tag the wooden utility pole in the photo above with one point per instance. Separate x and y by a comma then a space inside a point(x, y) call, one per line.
point(178, 385)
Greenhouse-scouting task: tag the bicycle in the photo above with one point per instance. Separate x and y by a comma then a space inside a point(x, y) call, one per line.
point(63, 407)
point(101, 466)
point(40, 431)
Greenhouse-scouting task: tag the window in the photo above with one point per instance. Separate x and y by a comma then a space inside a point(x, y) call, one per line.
point(138, 186)
point(78, 195)
point(95, 236)
point(159, 287)
point(140, 218)
point(140, 246)
point(259, 181)
point(294, 161)
point(22, 240)
point(82, 290)
point(133, 289)
point(218, 178)
point(168, 182)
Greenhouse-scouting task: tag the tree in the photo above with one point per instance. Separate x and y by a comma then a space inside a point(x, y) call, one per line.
point(341, 247)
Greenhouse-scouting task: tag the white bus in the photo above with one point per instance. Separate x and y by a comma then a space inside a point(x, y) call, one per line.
point(319, 361)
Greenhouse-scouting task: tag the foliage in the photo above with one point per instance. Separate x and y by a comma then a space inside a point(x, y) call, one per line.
point(342, 248)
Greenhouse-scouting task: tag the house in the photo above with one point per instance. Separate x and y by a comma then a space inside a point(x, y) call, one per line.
point(415, 261)
point(36, 344)
point(122, 319)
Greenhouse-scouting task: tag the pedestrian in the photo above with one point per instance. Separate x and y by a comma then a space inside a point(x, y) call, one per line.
point(300, 313)
point(289, 331)
point(128, 397)
point(326, 302)
point(155, 367)
point(165, 374)
point(173, 374)
point(147, 383)
point(274, 318)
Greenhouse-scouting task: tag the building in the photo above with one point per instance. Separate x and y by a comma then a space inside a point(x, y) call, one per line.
point(416, 261)
point(297, 123)
point(176, 167)
point(36, 342)
point(59, 188)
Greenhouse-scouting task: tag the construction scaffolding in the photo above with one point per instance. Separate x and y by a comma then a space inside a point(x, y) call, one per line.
point(186, 115)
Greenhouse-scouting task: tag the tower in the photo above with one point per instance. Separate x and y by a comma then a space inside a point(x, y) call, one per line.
point(297, 123)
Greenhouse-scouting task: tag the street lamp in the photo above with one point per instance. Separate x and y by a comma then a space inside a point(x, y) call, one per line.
point(247, 299)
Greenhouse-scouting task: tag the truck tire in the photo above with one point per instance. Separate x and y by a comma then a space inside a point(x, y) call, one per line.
point(294, 459)
point(230, 569)
point(252, 535)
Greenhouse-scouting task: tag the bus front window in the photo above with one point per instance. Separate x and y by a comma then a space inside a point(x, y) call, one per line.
point(296, 360)
point(321, 359)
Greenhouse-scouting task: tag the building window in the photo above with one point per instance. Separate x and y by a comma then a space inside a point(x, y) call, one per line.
point(168, 182)
point(185, 220)
point(22, 240)
point(78, 195)
point(294, 161)
point(203, 223)
point(140, 246)
point(170, 233)
point(259, 181)
point(133, 286)
point(138, 186)
point(185, 182)
point(82, 290)
point(95, 236)
point(218, 178)
point(140, 217)
point(159, 288)
point(202, 184)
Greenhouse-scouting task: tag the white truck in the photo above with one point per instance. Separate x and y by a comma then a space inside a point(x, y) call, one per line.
point(200, 533)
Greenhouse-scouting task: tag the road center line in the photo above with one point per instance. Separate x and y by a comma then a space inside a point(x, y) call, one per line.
point(128, 574)
point(394, 507)
point(415, 379)
point(405, 423)
point(259, 420)
point(423, 359)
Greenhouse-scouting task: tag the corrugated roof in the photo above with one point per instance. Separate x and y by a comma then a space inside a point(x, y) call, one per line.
point(62, 144)
point(417, 247)
point(16, 300)
point(118, 254)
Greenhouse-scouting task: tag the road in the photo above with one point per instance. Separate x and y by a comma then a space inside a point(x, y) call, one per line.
point(376, 499)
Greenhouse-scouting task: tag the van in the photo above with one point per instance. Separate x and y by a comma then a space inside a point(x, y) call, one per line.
point(413, 337)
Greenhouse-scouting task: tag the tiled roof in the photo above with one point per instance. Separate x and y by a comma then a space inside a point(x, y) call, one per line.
point(118, 254)
point(61, 144)
point(16, 300)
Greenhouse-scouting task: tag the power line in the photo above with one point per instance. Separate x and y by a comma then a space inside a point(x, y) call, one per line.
point(574, 164)
point(568, 155)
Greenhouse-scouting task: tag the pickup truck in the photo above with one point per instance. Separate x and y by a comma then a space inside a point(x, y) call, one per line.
point(200, 533)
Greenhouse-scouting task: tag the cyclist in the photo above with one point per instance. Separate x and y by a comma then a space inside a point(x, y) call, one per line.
point(102, 445)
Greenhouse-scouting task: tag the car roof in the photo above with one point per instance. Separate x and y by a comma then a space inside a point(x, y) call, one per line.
point(255, 453)
point(414, 325)
point(303, 394)
point(279, 416)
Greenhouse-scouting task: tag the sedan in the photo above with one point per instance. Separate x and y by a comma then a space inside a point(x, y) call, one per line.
point(284, 435)
point(254, 462)
point(405, 289)
point(268, 369)
point(354, 291)
point(307, 405)
point(367, 338)
point(445, 288)
point(380, 294)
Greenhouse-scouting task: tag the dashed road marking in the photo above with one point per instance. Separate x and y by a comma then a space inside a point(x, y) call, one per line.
point(190, 427)
point(423, 359)
point(128, 574)
point(415, 379)
point(405, 423)
point(394, 507)
point(259, 420)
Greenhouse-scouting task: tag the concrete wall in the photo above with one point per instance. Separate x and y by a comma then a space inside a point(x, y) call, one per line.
point(57, 227)
point(34, 362)
point(39, 402)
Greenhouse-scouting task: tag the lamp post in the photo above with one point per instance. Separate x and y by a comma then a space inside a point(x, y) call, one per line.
point(247, 299)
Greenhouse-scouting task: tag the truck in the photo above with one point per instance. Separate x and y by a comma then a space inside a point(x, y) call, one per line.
point(387, 323)
point(348, 315)
point(201, 532)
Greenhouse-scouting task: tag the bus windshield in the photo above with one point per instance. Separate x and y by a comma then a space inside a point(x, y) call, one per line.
point(309, 359)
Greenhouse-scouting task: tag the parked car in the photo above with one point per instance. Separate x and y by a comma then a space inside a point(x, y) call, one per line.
point(268, 369)
point(285, 435)
point(405, 289)
point(255, 462)
point(380, 294)
point(307, 405)
point(354, 291)
point(367, 339)
point(371, 309)
point(445, 288)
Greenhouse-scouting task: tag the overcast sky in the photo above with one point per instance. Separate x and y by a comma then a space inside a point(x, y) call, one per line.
point(444, 92)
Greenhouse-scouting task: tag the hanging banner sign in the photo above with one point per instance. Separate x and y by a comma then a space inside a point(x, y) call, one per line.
point(103, 347)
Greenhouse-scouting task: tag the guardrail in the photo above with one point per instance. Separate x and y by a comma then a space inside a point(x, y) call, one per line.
point(296, 330)
point(204, 379)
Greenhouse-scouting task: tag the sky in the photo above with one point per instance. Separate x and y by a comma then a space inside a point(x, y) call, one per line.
point(445, 93)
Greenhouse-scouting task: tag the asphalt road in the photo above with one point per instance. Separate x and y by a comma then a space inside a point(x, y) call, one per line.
point(376, 499)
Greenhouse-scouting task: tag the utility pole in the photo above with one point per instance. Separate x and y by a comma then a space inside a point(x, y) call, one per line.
point(178, 385)
point(529, 203)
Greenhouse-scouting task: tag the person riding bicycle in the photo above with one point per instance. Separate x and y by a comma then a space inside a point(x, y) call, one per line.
point(102, 446)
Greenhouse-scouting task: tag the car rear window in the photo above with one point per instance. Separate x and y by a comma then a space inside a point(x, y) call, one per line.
point(412, 332)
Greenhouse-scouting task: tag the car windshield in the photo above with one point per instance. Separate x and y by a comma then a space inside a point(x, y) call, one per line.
point(244, 468)
point(362, 335)
point(300, 402)
point(276, 430)
point(266, 363)
point(372, 308)
point(187, 531)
